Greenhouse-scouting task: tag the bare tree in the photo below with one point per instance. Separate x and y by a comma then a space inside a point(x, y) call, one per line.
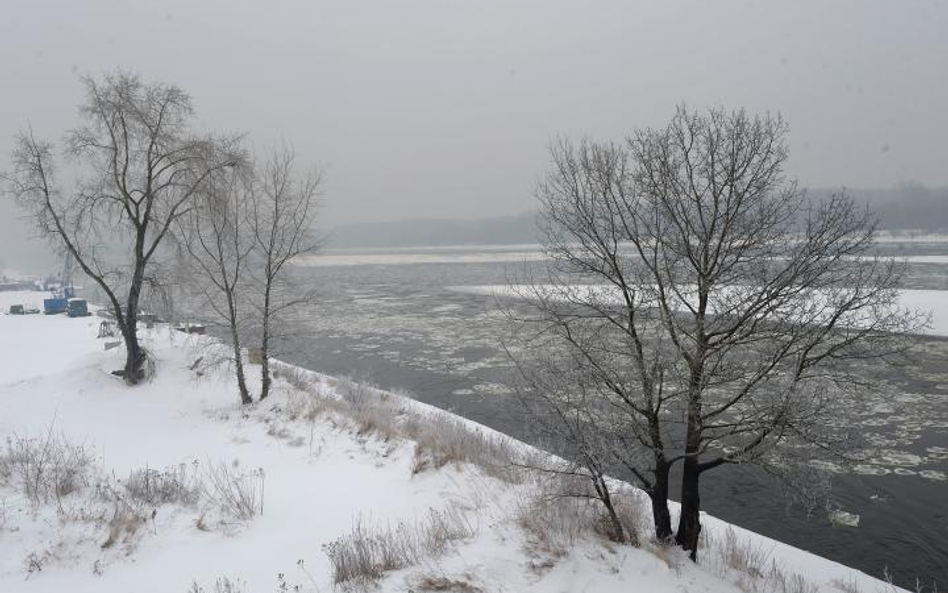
point(579, 385)
point(712, 308)
point(138, 167)
point(282, 217)
point(562, 399)
point(218, 241)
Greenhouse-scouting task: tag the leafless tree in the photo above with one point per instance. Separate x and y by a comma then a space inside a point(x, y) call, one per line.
point(216, 236)
point(138, 167)
point(282, 217)
point(578, 387)
point(562, 398)
point(710, 307)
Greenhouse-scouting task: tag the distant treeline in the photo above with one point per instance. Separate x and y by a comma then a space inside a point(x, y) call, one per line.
point(906, 207)
point(505, 230)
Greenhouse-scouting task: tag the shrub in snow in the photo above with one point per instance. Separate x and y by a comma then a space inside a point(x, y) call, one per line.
point(51, 472)
point(554, 526)
point(753, 566)
point(460, 584)
point(561, 510)
point(221, 585)
point(33, 563)
point(45, 470)
point(365, 554)
point(742, 555)
point(233, 494)
point(152, 487)
point(440, 440)
point(123, 526)
point(360, 395)
point(300, 379)
point(779, 581)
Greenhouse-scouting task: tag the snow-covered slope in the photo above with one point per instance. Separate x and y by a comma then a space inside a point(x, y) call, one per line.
point(319, 468)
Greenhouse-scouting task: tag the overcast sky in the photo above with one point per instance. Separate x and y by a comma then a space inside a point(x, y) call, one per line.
point(444, 108)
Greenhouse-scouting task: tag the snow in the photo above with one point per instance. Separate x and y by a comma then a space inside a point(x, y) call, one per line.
point(923, 259)
point(534, 252)
point(910, 236)
point(419, 256)
point(933, 302)
point(320, 477)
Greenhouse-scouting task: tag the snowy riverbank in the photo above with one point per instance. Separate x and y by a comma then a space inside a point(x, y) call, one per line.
point(326, 462)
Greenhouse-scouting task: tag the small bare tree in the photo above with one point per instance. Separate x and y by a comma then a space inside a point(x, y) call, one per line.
point(578, 386)
point(712, 310)
point(218, 241)
point(282, 216)
point(138, 168)
point(563, 400)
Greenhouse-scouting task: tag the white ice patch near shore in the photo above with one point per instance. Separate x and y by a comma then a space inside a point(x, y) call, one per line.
point(420, 256)
point(842, 518)
point(933, 302)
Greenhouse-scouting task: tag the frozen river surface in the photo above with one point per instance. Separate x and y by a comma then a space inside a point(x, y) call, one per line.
point(394, 318)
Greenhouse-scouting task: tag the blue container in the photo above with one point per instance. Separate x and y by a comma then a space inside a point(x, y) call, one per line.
point(54, 306)
point(77, 308)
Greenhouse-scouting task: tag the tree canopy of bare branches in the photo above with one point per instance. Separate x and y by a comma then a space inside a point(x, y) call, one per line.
point(137, 167)
point(698, 308)
point(246, 227)
point(218, 244)
point(282, 218)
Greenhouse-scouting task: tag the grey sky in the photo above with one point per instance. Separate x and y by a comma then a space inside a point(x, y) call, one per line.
point(444, 107)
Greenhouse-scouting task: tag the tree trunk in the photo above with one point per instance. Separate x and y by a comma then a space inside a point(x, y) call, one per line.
point(241, 380)
point(617, 533)
point(134, 371)
point(238, 354)
point(134, 354)
point(659, 496)
point(265, 347)
point(689, 523)
point(264, 374)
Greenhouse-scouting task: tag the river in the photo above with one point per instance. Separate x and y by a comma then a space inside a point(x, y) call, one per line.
point(397, 318)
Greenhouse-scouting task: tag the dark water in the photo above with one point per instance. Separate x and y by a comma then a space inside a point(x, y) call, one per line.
point(402, 326)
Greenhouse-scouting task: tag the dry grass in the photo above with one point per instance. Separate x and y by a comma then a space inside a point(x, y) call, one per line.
point(309, 406)
point(362, 557)
point(233, 494)
point(780, 581)
point(743, 555)
point(50, 472)
point(154, 488)
point(443, 583)
point(561, 512)
point(123, 527)
point(221, 585)
point(754, 567)
point(555, 520)
point(554, 526)
point(47, 469)
point(439, 439)
point(298, 378)
point(846, 586)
